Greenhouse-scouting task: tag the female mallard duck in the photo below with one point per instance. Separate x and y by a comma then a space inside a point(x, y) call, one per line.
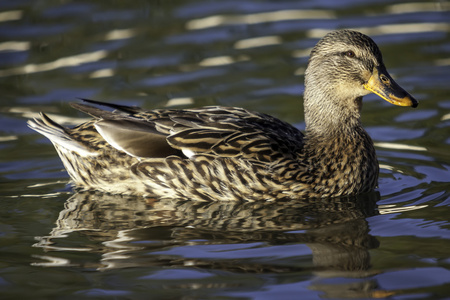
point(227, 153)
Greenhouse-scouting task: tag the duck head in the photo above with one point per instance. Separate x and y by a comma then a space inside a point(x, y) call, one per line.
point(343, 67)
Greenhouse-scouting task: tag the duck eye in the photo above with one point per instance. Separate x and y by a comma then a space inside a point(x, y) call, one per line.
point(349, 53)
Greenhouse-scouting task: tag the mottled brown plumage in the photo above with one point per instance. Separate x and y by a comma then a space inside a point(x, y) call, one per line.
point(227, 153)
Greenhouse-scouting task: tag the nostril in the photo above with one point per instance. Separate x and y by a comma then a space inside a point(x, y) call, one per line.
point(384, 79)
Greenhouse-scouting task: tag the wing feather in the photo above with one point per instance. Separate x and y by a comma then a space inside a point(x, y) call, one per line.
point(217, 131)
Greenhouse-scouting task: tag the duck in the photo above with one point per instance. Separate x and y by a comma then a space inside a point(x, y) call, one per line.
point(218, 153)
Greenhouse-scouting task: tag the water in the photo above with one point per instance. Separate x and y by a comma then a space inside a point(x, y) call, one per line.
point(58, 244)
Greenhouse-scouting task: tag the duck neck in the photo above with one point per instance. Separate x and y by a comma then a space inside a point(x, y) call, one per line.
point(327, 115)
point(336, 145)
point(334, 130)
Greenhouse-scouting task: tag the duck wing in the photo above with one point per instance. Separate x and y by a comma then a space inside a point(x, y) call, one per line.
point(213, 130)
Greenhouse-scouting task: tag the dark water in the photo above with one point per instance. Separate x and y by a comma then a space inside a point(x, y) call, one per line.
point(392, 243)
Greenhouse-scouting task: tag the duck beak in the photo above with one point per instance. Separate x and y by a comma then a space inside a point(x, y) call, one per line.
point(382, 84)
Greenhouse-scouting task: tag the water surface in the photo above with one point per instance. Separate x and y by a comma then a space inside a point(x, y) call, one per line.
point(55, 243)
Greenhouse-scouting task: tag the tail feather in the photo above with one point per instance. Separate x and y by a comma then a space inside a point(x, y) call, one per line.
point(57, 134)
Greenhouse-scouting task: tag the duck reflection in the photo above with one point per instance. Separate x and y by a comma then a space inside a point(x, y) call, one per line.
point(124, 230)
